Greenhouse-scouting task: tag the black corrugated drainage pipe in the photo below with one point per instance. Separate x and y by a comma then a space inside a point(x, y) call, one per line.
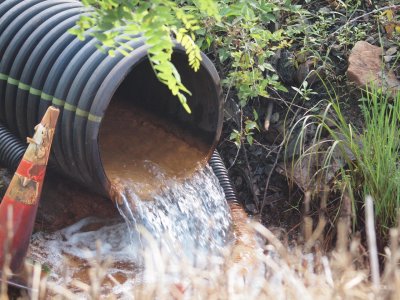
point(12, 150)
point(41, 64)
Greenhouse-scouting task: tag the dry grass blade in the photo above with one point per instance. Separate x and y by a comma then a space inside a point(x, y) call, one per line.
point(6, 271)
point(265, 232)
point(37, 270)
point(371, 239)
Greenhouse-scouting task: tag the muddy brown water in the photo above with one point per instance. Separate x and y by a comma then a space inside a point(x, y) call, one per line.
point(131, 137)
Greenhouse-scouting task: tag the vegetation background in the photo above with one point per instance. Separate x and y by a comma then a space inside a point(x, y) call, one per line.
point(282, 63)
point(304, 146)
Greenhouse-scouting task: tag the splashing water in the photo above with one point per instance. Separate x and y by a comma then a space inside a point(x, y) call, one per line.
point(187, 219)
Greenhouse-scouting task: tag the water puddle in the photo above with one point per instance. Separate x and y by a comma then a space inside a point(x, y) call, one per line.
point(70, 253)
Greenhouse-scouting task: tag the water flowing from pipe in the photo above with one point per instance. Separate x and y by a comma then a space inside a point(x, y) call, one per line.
point(185, 217)
point(187, 220)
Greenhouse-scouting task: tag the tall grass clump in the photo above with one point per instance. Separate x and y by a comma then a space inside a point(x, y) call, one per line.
point(366, 160)
point(379, 155)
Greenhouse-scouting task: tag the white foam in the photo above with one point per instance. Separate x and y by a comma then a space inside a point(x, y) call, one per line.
point(186, 217)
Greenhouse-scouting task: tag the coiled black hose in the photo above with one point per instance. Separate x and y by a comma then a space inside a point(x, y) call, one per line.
point(11, 149)
point(221, 172)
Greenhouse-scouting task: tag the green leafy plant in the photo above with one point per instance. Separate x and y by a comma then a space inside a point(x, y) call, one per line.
point(328, 34)
point(379, 154)
point(247, 132)
point(304, 91)
point(159, 22)
point(243, 43)
point(241, 35)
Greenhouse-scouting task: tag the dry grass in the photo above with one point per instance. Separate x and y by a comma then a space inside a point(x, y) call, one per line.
point(270, 271)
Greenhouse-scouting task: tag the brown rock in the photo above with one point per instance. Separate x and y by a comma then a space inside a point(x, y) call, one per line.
point(366, 67)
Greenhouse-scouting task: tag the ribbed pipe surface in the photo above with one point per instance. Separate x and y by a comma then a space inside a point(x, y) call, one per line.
point(221, 172)
point(11, 149)
point(41, 64)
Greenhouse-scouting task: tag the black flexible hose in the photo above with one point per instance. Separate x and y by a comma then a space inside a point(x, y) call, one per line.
point(11, 149)
point(221, 172)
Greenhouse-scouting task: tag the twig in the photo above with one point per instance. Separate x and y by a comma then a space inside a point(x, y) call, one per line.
point(312, 236)
point(269, 176)
point(37, 270)
point(316, 233)
point(371, 239)
point(308, 223)
point(250, 175)
point(277, 156)
point(392, 255)
point(343, 227)
point(238, 150)
point(19, 286)
point(274, 241)
point(268, 115)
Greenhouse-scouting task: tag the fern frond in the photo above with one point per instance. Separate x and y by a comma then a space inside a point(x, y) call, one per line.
point(192, 50)
point(157, 21)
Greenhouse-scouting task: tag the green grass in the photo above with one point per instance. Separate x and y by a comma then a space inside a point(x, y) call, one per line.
point(379, 157)
point(368, 158)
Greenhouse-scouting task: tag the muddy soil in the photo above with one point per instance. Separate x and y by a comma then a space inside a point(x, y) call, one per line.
point(64, 203)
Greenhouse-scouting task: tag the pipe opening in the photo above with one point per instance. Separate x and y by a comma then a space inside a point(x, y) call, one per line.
point(146, 133)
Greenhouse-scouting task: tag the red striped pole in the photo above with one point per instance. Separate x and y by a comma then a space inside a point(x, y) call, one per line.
point(24, 191)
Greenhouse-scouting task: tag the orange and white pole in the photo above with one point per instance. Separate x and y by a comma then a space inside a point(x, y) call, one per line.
point(23, 193)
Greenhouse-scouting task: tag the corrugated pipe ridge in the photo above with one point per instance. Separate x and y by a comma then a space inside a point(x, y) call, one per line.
point(41, 64)
point(11, 149)
point(221, 172)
